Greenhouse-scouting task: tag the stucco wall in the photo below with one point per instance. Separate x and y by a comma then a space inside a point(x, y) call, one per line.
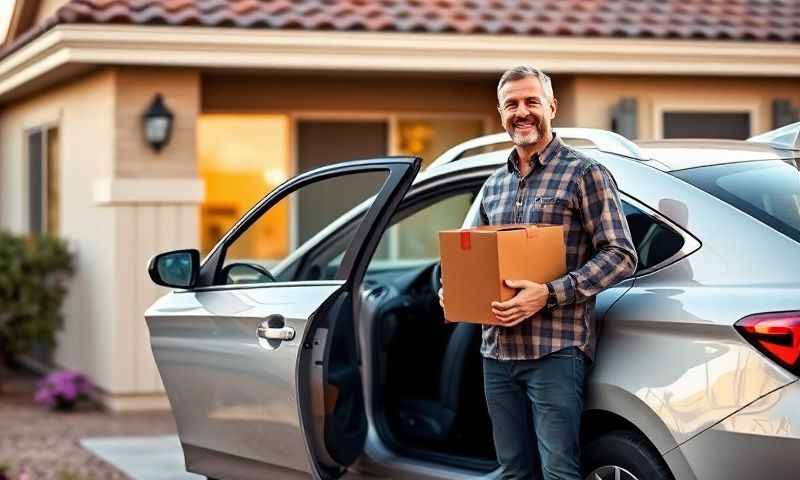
point(83, 112)
point(595, 96)
point(136, 88)
point(155, 209)
point(120, 204)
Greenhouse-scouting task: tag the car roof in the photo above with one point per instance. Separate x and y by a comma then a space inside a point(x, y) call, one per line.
point(680, 154)
point(665, 155)
point(498, 158)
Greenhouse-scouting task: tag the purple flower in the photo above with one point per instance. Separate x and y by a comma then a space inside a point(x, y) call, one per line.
point(63, 388)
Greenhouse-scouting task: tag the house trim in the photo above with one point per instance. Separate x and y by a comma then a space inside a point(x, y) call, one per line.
point(204, 47)
point(113, 191)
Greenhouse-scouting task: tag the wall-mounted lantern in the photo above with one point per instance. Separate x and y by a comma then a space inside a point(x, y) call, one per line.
point(157, 121)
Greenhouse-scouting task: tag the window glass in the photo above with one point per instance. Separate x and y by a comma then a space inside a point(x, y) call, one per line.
point(415, 240)
point(44, 176)
point(251, 257)
point(427, 137)
point(654, 241)
point(733, 125)
point(768, 190)
point(241, 157)
point(35, 182)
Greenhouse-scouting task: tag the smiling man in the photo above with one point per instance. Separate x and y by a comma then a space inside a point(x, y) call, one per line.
point(536, 362)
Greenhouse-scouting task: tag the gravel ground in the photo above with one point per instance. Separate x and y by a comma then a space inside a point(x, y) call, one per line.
point(47, 442)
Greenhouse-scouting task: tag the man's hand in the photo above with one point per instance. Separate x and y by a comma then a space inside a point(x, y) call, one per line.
point(441, 293)
point(531, 298)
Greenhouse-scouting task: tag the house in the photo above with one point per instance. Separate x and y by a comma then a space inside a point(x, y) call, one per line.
point(260, 90)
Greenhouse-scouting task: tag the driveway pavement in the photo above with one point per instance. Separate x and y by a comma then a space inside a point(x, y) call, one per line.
point(150, 458)
point(89, 443)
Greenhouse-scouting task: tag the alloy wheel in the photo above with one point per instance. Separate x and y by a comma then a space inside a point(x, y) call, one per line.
point(610, 472)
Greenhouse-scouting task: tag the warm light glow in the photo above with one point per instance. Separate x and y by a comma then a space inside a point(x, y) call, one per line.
point(6, 8)
point(275, 176)
point(430, 137)
point(241, 158)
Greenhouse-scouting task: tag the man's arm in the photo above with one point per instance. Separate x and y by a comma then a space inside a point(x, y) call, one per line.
point(604, 221)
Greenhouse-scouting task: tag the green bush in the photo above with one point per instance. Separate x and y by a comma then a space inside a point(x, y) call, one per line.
point(33, 275)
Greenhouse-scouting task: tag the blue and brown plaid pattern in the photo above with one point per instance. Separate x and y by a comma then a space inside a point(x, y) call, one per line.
point(564, 187)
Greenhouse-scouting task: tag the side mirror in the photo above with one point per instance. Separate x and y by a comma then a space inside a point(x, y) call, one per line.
point(176, 269)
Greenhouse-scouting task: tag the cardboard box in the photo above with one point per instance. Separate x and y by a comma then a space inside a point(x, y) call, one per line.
point(476, 261)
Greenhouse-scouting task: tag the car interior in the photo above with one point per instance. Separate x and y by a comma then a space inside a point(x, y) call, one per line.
point(430, 402)
point(430, 375)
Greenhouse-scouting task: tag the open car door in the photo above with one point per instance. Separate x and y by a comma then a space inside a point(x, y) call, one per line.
point(263, 373)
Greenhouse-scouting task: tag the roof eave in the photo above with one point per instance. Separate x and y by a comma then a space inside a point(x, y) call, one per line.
point(205, 47)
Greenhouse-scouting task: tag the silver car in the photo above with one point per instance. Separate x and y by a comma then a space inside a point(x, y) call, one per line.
point(335, 359)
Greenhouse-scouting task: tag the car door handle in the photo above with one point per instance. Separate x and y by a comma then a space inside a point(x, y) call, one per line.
point(271, 333)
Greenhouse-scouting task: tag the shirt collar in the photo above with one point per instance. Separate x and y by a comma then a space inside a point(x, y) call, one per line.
point(543, 158)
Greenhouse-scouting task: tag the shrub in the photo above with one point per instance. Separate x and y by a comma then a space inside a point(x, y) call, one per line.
point(33, 275)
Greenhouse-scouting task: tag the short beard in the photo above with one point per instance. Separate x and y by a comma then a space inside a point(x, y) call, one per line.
point(529, 139)
point(526, 140)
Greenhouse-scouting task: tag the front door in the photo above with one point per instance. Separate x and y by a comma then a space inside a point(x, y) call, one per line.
point(230, 351)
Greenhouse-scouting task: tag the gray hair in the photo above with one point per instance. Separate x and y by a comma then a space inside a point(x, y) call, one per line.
point(524, 71)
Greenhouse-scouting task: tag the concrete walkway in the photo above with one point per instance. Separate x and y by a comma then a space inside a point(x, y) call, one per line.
point(142, 458)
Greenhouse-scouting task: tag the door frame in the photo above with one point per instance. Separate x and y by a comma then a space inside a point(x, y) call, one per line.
point(386, 455)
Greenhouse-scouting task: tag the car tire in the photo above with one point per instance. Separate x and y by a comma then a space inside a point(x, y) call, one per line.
point(625, 450)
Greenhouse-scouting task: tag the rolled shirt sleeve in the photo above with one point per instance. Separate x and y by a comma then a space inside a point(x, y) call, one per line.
point(604, 222)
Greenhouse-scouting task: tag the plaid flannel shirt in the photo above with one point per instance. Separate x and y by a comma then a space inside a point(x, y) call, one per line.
point(563, 187)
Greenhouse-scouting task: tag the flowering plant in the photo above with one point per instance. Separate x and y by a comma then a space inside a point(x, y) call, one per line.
point(62, 389)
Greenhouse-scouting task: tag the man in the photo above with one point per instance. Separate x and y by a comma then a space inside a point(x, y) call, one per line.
point(536, 361)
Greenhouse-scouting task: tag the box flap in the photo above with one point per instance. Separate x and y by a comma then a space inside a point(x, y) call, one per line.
point(504, 227)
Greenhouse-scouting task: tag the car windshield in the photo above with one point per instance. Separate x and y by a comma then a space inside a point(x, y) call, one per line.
point(767, 190)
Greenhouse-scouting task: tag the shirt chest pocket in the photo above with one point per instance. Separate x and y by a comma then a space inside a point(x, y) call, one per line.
point(551, 210)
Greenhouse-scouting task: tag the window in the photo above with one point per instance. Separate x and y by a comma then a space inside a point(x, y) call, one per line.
point(655, 242)
point(767, 190)
point(414, 240)
point(44, 191)
point(732, 125)
point(241, 158)
point(428, 138)
point(253, 254)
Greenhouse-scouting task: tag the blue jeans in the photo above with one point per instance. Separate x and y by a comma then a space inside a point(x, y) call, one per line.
point(536, 407)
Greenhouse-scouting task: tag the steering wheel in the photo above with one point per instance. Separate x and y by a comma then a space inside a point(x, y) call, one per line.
point(436, 274)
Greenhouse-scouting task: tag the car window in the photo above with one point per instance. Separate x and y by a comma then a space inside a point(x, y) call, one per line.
point(415, 239)
point(768, 190)
point(655, 241)
point(297, 217)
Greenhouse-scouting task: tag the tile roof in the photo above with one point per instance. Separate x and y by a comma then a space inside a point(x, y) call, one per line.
point(743, 20)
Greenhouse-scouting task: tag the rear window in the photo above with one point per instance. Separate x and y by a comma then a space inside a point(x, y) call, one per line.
point(767, 190)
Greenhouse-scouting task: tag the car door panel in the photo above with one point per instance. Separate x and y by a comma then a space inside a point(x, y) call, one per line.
point(235, 394)
point(239, 402)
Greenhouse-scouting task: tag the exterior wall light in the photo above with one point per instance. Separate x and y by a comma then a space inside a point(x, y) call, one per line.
point(157, 121)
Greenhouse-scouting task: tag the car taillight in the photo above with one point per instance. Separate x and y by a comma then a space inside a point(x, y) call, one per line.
point(777, 335)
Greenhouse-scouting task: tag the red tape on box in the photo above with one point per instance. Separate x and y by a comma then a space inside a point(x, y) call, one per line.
point(465, 241)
